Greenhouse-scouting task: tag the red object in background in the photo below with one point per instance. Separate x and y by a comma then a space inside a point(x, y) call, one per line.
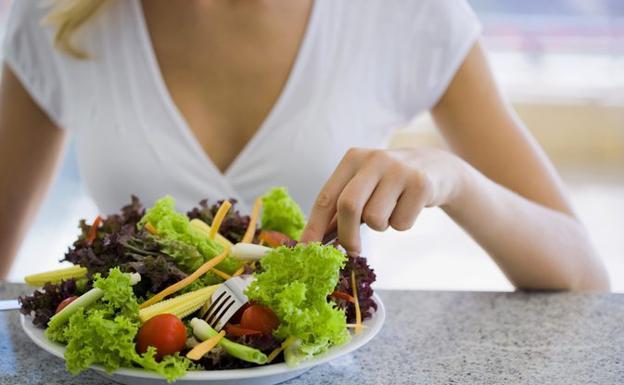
point(165, 332)
point(261, 318)
point(65, 302)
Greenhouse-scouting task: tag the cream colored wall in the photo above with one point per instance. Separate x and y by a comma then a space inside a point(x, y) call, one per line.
point(573, 134)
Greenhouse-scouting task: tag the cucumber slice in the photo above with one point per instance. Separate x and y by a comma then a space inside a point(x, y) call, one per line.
point(84, 300)
point(203, 331)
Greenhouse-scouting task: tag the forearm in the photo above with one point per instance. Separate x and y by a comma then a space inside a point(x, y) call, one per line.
point(30, 146)
point(535, 246)
point(26, 168)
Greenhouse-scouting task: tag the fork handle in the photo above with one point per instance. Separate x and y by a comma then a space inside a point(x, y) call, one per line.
point(9, 304)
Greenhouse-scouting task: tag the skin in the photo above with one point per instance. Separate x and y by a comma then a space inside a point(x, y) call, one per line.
point(221, 58)
point(498, 185)
point(30, 148)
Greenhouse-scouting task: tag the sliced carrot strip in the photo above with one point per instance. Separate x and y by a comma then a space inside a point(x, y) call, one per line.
point(150, 228)
point(218, 219)
point(93, 230)
point(343, 295)
point(251, 228)
point(287, 342)
point(220, 273)
point(353, 326)
point(358, 313)
point(181, 284)
point(199, 350)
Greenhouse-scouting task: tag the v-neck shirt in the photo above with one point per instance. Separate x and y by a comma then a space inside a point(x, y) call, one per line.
point(363, 69)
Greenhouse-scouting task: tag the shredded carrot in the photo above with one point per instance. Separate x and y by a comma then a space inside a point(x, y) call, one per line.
point(218, 218)
point(93, 230)
point(188, 280)
point(240, 271)
point(358, 313)
point(150, 228)
point(353, 326)
point(220, 273)
point(287, 342)
point(343, 295)
point(199, 350)
point(261, 243)
point(251, 228)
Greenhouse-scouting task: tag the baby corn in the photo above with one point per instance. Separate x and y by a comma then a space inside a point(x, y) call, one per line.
point(55, 276)
point(180, 306)
point(205, 228)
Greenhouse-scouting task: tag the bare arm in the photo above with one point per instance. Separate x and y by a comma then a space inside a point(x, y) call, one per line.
point(514, 206)
point(30, 148)
point(499, 187)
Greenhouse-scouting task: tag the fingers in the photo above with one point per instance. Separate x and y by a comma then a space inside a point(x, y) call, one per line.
point(351, 204)
point(410, 203)
point(324, 208)
point(381, 204)
point(369, 186)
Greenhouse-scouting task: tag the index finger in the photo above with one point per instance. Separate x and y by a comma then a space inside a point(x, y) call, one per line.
point(324, 209)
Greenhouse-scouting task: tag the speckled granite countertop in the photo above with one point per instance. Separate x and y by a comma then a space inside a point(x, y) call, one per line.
point(428, 338)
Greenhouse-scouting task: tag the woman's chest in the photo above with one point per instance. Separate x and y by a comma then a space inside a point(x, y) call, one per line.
point(134, 137)
point(225, 68)
point(135, 142)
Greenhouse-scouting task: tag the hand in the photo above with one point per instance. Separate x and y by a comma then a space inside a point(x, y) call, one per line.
point(383, 188)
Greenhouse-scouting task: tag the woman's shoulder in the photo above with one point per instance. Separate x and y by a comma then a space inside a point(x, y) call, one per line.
point(29, 52)
point(25, 25)
point(416, 46)
point(403, 14)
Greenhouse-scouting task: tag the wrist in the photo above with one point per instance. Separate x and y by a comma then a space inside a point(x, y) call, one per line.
point(463, 182)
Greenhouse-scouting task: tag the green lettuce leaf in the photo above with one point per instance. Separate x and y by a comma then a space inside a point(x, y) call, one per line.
point(295, 283)
point(118, 294)
point(281, 213)
point(103, 333)
point(188, 247)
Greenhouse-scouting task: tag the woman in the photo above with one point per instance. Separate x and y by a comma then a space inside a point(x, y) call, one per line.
point(224, 98)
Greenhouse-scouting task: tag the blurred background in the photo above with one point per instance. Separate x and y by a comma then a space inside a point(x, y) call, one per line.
point(560, 62)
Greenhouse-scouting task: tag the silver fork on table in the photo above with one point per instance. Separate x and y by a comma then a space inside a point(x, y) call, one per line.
point(226, 301)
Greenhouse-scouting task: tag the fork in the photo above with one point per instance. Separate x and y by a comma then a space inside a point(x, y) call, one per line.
point(230, 297)
point(227, 300)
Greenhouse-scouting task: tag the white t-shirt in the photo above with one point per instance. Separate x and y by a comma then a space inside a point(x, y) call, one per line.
point(364, 68)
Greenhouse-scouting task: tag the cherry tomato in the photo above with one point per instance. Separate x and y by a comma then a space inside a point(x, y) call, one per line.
point(65, 302)
point(165, 332)
point(258, 317)
point(236, 318)
point(238, 331)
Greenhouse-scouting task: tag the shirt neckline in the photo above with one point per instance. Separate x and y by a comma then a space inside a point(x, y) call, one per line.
point(180, 121)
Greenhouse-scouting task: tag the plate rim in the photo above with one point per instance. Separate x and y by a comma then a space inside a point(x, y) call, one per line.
point(375, 324)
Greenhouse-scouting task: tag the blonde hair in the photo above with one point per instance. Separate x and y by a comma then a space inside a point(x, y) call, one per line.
point(67, 16)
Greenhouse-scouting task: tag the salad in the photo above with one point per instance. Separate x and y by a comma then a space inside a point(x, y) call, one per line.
point(141, 283)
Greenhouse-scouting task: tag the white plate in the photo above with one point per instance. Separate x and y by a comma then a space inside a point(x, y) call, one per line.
point(261, 375)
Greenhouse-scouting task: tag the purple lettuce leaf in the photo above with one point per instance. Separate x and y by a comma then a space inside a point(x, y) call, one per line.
point(42, 303)
point(364, 277)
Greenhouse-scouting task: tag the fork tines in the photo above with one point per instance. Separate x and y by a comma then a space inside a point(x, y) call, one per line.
point(217, 309)
point(226, 301)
